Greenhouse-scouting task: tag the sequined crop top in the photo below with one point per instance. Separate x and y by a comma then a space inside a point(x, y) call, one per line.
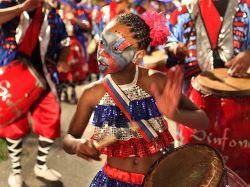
point(108, 119)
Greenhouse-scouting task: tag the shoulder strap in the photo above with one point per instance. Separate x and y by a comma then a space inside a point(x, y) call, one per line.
point(122, 101)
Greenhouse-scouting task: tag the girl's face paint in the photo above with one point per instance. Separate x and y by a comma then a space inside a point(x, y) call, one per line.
point(114, 53)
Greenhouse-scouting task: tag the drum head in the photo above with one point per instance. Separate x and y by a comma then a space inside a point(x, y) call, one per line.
point(218, 82)
point(191, 165)
point(157, 58)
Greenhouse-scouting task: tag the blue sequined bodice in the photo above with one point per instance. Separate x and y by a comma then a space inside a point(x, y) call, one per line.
point(108, 118)
point(142, 106)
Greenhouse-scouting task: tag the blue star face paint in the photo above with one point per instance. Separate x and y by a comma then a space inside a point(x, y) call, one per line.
point(114, 53)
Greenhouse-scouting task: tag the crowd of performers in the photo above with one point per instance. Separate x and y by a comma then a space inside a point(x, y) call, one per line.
point(102, 44)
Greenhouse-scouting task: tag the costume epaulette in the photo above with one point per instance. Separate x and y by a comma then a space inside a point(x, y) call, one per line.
point(246, 1)
point(176, 13)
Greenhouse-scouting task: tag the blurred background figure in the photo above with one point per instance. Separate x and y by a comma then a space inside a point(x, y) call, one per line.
point(207, 36)
point(164, 6)
point(77, 26)
point(100, 18)
point(43, 47)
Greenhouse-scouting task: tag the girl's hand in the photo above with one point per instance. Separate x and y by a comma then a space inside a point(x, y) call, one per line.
point(87, 150)
point(168, 101)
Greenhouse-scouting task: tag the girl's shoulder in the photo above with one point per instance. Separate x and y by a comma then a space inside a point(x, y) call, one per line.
point(94, 87)
point(152, 75)
point(93, 92)
point(148, 76)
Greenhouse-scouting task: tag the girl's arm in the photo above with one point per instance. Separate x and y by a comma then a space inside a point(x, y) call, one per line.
point(72, 142)
point(190, 115)
point(176, 106)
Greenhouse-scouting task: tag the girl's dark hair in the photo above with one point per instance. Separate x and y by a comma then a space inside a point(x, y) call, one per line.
point(137, 26)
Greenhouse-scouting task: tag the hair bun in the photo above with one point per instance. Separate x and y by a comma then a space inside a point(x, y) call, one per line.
point(158, 29)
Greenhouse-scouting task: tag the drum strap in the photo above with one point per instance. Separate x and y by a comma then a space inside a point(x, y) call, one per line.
point(31, 35)
point(122, 101)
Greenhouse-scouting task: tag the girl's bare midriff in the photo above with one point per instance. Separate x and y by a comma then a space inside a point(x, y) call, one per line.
point(134, 164)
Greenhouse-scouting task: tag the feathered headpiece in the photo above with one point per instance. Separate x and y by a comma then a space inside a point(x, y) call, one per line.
point(158, 29)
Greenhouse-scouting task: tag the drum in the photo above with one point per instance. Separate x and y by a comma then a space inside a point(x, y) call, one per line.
point(219, 83)
point(77, 63)
point(226, 101)
point(194, 165)
point(156, 59)
point(20, 87)
point(234, 180)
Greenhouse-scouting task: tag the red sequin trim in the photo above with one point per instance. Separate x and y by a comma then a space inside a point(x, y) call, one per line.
point(138, 147)
point(124, 176)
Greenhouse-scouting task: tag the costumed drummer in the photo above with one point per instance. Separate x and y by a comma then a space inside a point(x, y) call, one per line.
point(128, 99)
point(77, 25)
point(209, 34)
point(49, 40)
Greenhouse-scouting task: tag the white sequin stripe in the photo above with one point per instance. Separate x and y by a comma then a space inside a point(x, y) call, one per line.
point(127, 133)
point(15, 155)
point(133, 93)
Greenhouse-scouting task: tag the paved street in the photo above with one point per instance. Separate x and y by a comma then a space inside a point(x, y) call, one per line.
point(75, 172)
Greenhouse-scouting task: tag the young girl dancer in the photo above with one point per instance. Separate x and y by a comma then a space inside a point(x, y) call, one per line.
point(148, 98)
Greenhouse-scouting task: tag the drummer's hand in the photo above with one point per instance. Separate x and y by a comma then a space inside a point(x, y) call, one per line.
point(87, 150)
point(62, 67)
point(168, 101)
point(178, 50)
point(30, 5)
point(239, 65)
